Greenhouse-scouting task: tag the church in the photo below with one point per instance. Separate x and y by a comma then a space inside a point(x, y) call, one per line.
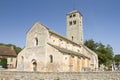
point(48, 51)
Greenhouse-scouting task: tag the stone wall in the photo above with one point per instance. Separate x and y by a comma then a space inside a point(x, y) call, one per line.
point(14, 75)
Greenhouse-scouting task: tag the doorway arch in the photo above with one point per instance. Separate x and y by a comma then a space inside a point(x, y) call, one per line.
point(34, 65)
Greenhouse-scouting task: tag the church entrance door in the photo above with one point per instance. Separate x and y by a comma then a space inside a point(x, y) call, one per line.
point(34, 66)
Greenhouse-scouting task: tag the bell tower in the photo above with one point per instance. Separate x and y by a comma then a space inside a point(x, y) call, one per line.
point(74, 27)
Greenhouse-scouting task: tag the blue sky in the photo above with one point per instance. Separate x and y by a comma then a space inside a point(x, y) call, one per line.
point(101, 19)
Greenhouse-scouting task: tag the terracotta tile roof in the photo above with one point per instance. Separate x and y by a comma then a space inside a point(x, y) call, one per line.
point(7, 51)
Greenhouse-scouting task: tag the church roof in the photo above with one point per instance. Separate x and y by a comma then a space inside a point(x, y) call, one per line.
point(7, 51)
point(68, 51)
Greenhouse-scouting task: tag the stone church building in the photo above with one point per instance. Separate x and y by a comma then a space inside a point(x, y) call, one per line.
point(48, 51)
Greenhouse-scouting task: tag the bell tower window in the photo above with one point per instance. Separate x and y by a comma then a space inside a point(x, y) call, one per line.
point(74, 15)
point(70, 23)
point(74, 21)
point(70, 16)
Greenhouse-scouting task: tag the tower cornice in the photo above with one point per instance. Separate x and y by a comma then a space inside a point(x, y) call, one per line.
point(75, 11)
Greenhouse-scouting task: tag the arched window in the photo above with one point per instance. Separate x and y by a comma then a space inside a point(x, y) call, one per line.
point(51, 59)
point(36, 41)
point(70, 16)
point(74, 15)
point(70, 23)
point(72, 38)
point(74, 21)
point(22, 59)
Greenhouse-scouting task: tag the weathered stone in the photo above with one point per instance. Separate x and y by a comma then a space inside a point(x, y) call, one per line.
point(15, 75)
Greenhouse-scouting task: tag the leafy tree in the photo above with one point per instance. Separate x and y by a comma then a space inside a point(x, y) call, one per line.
point(3, 62)
point(105, 53)
point(117, 59)
point(91, 44)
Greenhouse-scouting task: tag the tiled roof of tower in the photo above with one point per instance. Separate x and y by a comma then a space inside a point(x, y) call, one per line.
point(75, 11)
point(7, 51)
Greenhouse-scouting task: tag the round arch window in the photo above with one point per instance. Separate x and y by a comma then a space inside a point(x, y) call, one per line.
point(36, 41)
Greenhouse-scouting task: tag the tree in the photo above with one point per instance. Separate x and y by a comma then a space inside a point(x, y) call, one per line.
point(105, 53)
point(117, 59)
point(3, 62)
point(91, 44)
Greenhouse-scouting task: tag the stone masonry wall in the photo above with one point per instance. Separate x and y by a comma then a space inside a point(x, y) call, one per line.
point(14, 75)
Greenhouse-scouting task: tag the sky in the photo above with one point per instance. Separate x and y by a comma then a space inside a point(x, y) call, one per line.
point(101, 19)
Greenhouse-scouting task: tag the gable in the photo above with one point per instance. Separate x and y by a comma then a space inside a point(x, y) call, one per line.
point(37, 35)
point(37, 27)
